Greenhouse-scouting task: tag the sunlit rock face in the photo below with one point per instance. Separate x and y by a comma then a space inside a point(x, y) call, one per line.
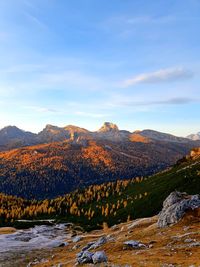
point(175, 206)
point(108, 126)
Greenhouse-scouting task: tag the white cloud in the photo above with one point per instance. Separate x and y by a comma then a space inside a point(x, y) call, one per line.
point(160, 76)
point(42, 109)
point(169, 101)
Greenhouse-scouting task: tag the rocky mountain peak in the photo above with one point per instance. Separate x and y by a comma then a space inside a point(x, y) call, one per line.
point(108, 127)
point(49, 127)
point(11, 131)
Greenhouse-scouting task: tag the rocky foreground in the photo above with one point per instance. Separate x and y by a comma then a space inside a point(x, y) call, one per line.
point(172, 238)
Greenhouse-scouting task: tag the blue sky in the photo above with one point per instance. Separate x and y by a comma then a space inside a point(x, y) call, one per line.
point(83, 62)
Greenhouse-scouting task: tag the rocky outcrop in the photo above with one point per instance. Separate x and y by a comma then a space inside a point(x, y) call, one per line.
point(91, 257)
point(95, 244)
point(175, 206)
point(99, 257)
point(108, 126)
point(84, 257)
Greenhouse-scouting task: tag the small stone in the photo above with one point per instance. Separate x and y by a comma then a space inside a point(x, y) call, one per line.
point(76, 246)
point(189, 240)
point(134, 244)
point(77, 239)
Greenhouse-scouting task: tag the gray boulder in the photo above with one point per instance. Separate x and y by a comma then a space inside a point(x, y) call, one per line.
point(175, 206)
point(91, 257)
point(84, 257)
point(99, 257)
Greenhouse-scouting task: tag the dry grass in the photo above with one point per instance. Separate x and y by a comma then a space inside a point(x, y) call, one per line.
point(167, 245)
point(7, 230)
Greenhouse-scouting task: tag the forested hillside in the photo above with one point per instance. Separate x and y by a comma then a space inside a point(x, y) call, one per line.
point(49, 170)
point(110, 202)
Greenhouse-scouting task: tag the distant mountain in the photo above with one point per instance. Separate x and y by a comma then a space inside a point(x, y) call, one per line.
point(108, 127)
point(110, 131)
point(58, 160)
point(194, 137)
point(11, 136)
point(52, 134)
point(162, 136)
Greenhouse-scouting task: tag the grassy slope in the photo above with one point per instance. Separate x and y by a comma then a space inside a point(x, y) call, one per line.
point(182, 177)
point(160, 186)
point(165, 250)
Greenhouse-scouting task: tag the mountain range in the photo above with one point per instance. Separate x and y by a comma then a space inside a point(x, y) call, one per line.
point(59, 160)
point(13, 137)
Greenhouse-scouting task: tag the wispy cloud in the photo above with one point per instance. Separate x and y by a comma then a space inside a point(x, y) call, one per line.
point(138, 20)
point(160, 76)
point(23, 68)
point(169, 101)
point(35, 20)
point(130, 21)
point(62, 111)
point(149, 19)
point(42, 109)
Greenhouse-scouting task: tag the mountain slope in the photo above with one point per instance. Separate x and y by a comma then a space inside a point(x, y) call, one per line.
point(11, 136)
point(111, 202)
point(162, 136)
point(54, 169)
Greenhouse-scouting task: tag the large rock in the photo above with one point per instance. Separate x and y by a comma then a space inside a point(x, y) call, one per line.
point(91, 257)
point(175, 206)
point(85, 257)
point(99, 257)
